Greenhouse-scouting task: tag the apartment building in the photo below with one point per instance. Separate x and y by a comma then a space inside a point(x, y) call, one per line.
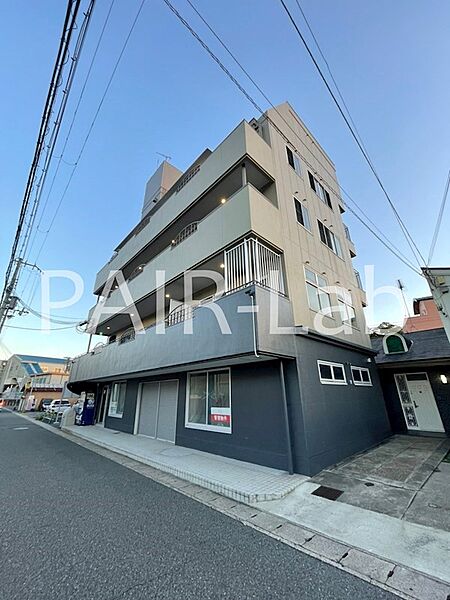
point(232, 314)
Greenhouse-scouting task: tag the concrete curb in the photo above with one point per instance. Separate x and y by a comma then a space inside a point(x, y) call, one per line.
point(395, 578)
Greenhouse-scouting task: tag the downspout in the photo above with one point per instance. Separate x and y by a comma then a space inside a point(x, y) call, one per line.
point(290, 459)
point(251, 293)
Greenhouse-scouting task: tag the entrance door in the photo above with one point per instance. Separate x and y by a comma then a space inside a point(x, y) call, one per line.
point(158, 410)
point(418, 403)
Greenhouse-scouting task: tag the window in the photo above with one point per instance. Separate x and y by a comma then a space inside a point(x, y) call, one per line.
point(208, 404)
point(318, 296)
point(394, 343)
point(329, 239)
point(320, 190)
point(331, 373)
point(293, 160)
point(345, 303)
point(361, 376)
point(117, 402)
point(302, 214)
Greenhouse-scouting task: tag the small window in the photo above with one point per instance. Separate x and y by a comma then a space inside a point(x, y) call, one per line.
point(331, 373)
point(117, 403)
point(361, 376)
point(293, 160)
point(329, 239)
point(208, 403)
point(320, 191)
point(394, 343)
point(302, 214)
point(345, 303)
point(318, 295)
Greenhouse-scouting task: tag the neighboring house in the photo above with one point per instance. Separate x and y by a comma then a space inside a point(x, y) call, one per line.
point(264, 218)
point(426, 316)
point(415, 375)
point(21, 369)
point(47, 386)
point(438, 279)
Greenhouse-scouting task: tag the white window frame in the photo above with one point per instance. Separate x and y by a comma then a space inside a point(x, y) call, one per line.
point(305, 215)
point(297, 164)
point(332, 381)
point(320, 290)
point(345, 303)
point(335, 243)
point(206, 426)
point(361, 369)
point(116, 415)
point(320, 191)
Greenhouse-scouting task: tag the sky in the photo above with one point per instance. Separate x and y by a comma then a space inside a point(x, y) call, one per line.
point(390, 60)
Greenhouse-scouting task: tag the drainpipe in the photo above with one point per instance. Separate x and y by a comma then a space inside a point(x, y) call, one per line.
point(290, 459)
point(251, 293)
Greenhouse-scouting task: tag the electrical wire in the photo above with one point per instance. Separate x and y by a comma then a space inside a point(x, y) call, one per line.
point(439, 220)
point(387, 243)
point(124, 46)
point(38, 328)
point(408, 237)
point(185, 23)
point(80, 98)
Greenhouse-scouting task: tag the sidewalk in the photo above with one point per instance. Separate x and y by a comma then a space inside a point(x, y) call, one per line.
point(235, 479)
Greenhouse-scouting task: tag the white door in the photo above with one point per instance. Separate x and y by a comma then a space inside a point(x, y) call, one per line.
point(157, 416)
point(418, 403)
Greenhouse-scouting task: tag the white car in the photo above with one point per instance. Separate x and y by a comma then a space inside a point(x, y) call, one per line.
point(58, 406)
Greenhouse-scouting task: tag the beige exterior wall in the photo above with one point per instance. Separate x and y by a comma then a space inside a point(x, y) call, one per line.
point(302, 248)
point(248, 211)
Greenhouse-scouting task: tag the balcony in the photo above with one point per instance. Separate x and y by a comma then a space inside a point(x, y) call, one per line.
point(151, 351)
point(248, 210)
point(350, 244)
point(242, 142)
point(362, 293)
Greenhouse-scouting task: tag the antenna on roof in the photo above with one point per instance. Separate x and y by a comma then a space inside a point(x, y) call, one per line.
point(401, 287)
point(166, 157)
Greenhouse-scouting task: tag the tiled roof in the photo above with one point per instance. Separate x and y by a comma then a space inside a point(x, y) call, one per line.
point(425, 345)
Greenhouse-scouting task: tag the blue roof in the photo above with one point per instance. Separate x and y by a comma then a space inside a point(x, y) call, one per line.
point(41, 359)
point(32, 368)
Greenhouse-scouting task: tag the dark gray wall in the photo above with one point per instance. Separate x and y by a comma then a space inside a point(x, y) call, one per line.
point(126, 423)
point(339, 420)
point(258, 427)
point(441, 393)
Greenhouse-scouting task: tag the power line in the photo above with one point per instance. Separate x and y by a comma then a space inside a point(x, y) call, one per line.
point(81, 95)
point(397, 253)
point(41, 150)
point(439, 220)
point(367, 158)
point(39, 328)
point(99, 107)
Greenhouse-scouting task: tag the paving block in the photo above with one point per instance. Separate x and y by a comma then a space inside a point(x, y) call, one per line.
point(417, 585)
point(325, 547)
point(206, 495)
point(294, 534)
point(368, 565)
point(223, 504)
point(267, 521)
point(241, 511)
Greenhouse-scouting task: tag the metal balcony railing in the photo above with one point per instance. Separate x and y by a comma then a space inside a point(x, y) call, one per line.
point(185, 233)
point(358, 279)
point(253, 262)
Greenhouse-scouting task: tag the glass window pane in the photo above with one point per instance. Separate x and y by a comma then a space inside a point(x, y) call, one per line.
point(324, 301)
point(356, 374)
point(313, 298)
point(322, 281)
point(197, 398)
point(338, 373)
point(306, 220)
point(219, 406)
point(325, 371)
point(310, 276)
point(365, 376)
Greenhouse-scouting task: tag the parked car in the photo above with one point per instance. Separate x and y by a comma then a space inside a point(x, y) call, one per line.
point(45, 404)
point(58, 406)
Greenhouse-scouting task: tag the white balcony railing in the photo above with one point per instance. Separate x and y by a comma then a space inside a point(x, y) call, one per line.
point(253, 262)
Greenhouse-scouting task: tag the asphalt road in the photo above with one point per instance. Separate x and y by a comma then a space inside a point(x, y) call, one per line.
point(74, 524)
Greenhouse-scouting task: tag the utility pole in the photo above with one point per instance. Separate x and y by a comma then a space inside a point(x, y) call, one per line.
point(9, 301)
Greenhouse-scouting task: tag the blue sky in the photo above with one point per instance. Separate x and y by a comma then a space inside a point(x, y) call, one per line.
point(389, 58)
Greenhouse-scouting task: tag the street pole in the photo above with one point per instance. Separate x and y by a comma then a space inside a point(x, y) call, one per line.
point(8, 296)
